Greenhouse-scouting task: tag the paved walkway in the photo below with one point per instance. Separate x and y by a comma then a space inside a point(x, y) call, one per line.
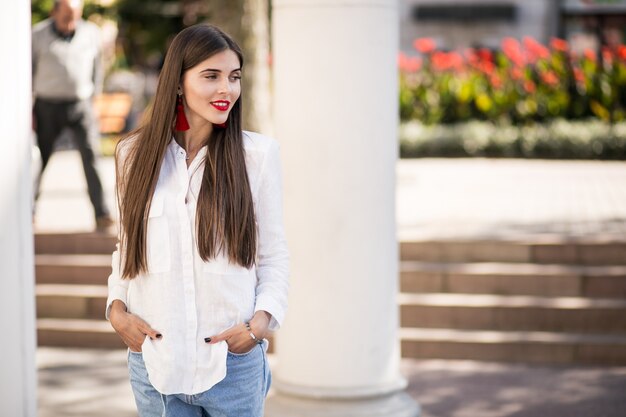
point(436, 198)
point(94, 383)
point(504, 198)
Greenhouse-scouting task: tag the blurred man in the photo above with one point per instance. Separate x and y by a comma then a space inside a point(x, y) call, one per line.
point(67, 74)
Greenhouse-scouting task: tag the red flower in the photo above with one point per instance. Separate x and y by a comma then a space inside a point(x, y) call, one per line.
point(443, 61)
point(621, 52)
point(456, 60)
point(513, 50)
point(408, 64)
point(590, 54)
point(579, 75)
point(472, 57)
point(535, 50)
point(487, 67)
point(550, 78)
point(424, 45)
point(559, 44)
point(607, 56)
point(485, 54)
point(401, 60)
point(496, 81)
point(440, 61)
point(517, 73)
point(530, 86)
point(414, 64)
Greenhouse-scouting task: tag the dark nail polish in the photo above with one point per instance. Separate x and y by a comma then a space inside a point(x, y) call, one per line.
point(159, 335)
point(207, 339)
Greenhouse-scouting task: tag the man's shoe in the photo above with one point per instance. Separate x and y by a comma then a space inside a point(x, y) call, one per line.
point(105, 224)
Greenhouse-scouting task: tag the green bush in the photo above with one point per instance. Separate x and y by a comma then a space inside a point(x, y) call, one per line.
point(556, 139)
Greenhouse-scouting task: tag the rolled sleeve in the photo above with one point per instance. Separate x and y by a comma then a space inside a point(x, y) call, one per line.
point(118, 287)
point(273, 257)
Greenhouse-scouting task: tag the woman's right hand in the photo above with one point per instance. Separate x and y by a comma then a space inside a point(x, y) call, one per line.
point(131, 329)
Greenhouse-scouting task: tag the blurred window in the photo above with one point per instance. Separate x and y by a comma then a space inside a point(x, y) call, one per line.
point(589, 24)
point(462, 12)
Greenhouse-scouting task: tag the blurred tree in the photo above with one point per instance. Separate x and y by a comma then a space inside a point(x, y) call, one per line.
point(248, 22)
point(40, 9)
point(146, 28)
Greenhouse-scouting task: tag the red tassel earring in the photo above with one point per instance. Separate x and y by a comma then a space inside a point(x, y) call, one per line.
point(181, 119)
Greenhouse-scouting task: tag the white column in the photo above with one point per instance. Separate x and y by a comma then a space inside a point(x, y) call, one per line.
point(336, 116)
point(17, 301)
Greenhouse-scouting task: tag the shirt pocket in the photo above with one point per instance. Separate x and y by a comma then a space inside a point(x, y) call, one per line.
point(158, 237)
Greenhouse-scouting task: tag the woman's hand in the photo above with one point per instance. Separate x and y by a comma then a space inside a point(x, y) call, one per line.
point(238, 337)
point(131, 329)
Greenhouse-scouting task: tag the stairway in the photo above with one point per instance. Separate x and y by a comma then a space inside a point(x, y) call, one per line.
point(534, 301)
point(71, 273)
point(543, 302)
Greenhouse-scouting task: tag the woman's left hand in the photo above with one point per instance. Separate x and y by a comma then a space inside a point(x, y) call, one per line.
point(238, 337)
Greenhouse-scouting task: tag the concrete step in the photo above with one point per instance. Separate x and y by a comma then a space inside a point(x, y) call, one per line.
point(551, 251)
point(514, 279)
point(509, 346)
point(85, 333)
point(72, 269)
point(77, 333)
point(542, 251)
point(70, 243)
point(512, 313)
point(71, 301)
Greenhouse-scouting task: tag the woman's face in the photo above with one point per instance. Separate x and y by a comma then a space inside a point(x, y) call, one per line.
point(211, 88)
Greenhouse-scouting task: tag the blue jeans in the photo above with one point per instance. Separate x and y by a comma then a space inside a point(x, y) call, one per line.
point(240, 394)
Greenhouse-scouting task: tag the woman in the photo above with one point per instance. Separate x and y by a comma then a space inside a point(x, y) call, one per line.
point(200, 271)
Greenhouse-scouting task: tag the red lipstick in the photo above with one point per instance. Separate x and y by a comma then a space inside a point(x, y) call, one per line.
point(221, 105)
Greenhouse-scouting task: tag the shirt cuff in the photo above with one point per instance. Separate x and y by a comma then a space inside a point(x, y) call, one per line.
point(278, 313)
point(116, 293)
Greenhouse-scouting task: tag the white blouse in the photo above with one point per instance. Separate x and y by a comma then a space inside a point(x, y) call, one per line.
point(187, 299)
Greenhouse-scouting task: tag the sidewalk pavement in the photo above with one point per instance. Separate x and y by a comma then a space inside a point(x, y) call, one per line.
point(94, 383)
point(436, 198)
point(510, 198)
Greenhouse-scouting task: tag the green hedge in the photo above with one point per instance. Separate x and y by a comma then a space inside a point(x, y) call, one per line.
point(522, 82)
point(557, 139)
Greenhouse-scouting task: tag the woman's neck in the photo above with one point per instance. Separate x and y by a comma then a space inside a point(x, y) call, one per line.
point(193, 139)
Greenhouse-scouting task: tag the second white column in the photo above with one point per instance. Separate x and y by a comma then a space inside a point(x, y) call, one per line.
point(336, 116)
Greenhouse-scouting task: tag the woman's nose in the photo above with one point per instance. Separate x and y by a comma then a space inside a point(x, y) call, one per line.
point(225, 86)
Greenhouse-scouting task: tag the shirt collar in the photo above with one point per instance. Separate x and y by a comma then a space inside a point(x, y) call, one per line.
point(175, 148)
point(62, 36)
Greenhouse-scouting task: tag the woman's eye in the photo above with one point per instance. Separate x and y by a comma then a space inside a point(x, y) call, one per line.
point(236, 77)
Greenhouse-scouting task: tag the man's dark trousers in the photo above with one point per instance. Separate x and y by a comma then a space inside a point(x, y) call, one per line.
point(51, 117)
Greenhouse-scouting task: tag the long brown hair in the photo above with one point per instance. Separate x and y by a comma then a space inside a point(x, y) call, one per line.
point(225, 217)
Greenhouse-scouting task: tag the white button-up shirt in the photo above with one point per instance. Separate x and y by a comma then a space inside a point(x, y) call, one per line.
point(187, 299)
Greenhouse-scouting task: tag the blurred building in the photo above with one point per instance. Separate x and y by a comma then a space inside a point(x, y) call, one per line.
point(592, 23)
point(469, 23)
